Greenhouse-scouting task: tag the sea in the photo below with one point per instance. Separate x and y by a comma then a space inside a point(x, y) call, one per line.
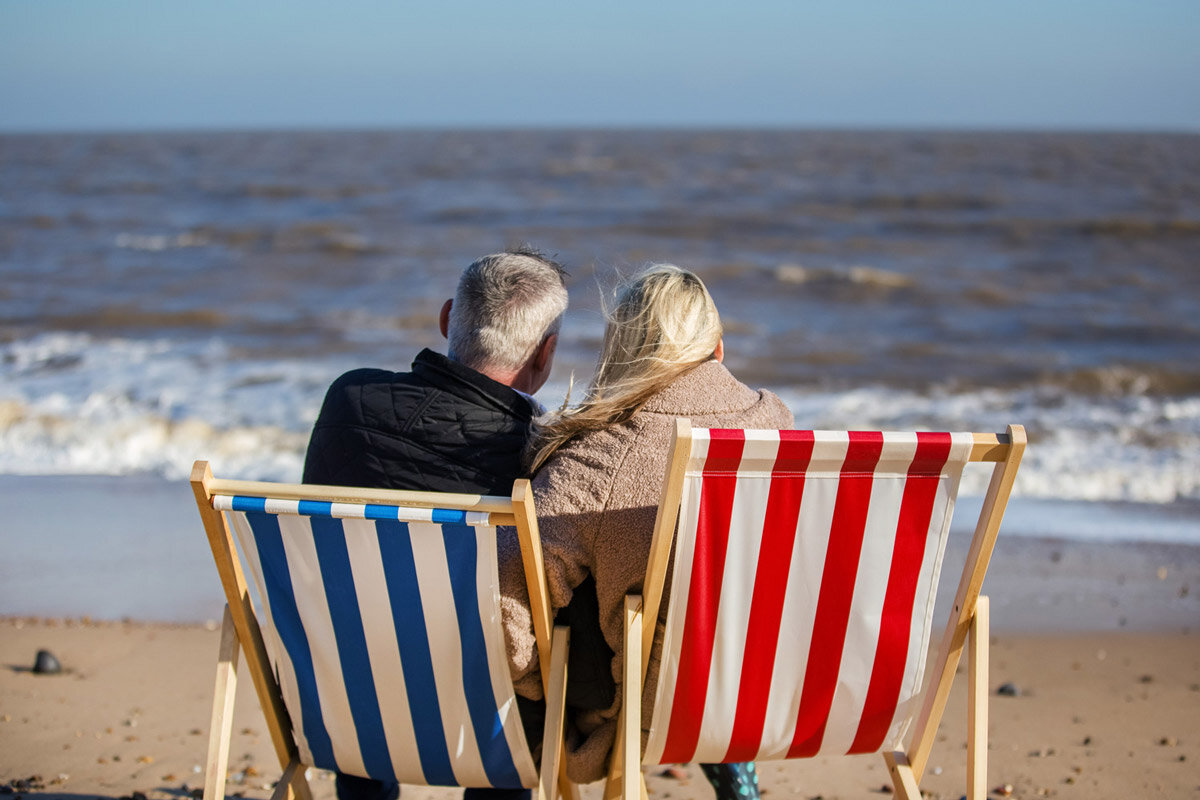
point(172, 296)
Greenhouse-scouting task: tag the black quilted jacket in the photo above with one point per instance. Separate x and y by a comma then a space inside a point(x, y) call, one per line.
point(442, 427)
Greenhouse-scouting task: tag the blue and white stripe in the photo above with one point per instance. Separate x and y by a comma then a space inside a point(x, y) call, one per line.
point(325, 508)
point(386, 639)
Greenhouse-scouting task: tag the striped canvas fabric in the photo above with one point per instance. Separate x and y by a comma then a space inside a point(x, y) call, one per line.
point(382, 625)
point(813, 560)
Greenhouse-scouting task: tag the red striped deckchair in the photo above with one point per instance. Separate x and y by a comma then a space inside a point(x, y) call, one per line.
point(371, 629)
point(800, 612)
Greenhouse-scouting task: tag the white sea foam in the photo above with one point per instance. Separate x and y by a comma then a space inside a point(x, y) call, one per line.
point(73, 404)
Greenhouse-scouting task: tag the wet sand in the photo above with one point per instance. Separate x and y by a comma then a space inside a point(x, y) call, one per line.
point(133, 547)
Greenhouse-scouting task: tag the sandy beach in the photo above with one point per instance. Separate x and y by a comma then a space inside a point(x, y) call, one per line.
point(1099, 638)
point(1095, 715)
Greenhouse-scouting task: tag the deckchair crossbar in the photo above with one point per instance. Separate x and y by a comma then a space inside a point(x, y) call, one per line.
point(324, 508)
point(347, 494)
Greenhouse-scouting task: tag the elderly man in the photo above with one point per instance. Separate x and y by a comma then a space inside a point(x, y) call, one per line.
point(455, 423)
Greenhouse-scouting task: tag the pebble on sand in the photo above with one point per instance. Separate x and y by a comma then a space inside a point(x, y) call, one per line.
point(46, 664)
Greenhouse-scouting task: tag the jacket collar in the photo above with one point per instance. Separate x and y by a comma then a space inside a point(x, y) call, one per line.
point(465, 382)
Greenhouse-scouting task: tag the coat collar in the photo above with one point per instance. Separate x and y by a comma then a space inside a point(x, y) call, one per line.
point(708, 388)
point(463, 381)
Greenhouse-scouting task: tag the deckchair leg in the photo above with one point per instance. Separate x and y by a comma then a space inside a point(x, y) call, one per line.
point(977, 705)
point(625, 779)
point(292, 783)
point(221, 728)
point(552, 773)
point(903, 779)
point(631, 702)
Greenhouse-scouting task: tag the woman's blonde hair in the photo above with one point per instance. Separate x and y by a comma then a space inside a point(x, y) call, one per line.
point(664, 324)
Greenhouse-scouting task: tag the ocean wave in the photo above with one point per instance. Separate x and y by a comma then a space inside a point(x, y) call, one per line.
point(1128, 448)
point(72, 403)
point(158, 242)
point(858, 274)
point(330, 238)
point(127, 442)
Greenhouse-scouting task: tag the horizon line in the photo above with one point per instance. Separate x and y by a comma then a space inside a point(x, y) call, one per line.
point(752, 127)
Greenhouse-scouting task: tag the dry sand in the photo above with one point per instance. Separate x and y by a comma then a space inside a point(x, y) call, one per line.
point(1097, 715)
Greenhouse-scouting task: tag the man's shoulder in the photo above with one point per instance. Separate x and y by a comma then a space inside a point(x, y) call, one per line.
point(365, 394)
point(369, 376)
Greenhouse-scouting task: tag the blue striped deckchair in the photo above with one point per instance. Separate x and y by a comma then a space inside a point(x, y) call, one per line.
point(370, 621)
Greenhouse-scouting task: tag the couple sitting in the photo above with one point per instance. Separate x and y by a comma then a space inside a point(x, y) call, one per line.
point(466, 422)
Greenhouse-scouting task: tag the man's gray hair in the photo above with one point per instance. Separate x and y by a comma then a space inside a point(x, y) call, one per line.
point(505, 306)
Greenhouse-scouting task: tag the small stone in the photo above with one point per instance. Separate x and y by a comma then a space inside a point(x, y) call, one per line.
point(1146, 679)
point(46, 664)
point(1087, 740)
point(1004, 790)
point(1168, 741)
point(1008, 690)
point(145, 759)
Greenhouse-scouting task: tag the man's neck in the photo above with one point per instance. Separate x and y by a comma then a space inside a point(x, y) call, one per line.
point(513, 379)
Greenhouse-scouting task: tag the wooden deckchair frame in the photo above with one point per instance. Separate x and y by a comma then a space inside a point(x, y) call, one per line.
point(240, 630)
point(968, 624)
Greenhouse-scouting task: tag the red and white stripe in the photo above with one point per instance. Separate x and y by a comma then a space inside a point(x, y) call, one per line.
point(813, 559)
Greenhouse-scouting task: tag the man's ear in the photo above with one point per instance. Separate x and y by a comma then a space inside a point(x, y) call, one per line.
point(444, 318)
point(545, 352)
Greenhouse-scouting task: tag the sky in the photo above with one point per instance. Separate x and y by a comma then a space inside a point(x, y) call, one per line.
point(70, 65)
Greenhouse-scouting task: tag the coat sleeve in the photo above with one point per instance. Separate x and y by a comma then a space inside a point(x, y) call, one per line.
point(566, 493)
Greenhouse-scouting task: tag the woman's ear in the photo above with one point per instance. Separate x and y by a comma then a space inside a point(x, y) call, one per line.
point(719, 353)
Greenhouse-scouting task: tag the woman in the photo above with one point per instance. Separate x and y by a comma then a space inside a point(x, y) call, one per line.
point(598, 473)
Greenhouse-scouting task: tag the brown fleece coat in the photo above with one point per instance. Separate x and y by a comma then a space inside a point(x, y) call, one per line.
point(596, 500)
